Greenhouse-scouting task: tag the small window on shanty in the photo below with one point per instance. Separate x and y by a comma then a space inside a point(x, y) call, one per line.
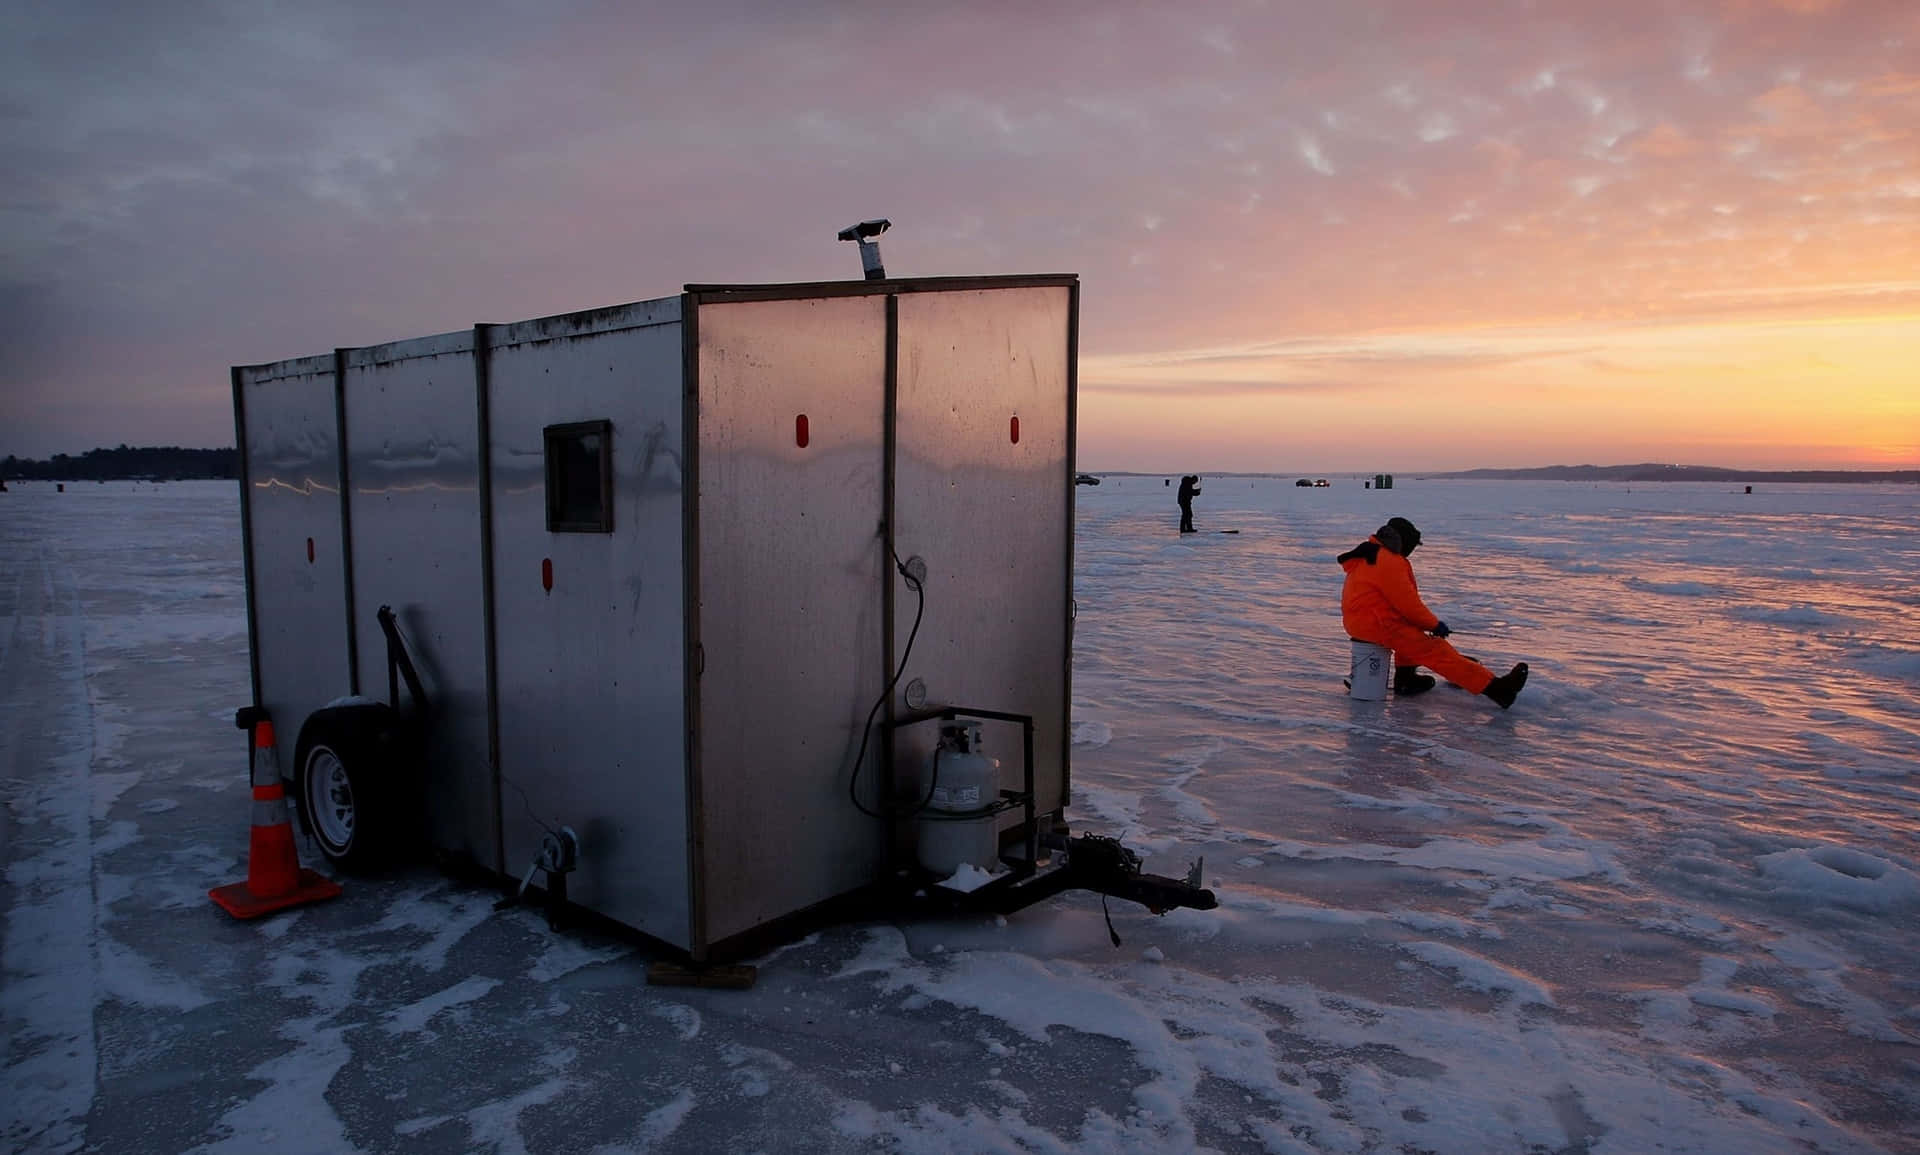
point(580, 477)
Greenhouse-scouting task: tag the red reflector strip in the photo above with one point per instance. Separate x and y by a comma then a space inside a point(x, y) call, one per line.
point(800, 434)
point(546, 574)
point(309, 551)
point(1013, 430)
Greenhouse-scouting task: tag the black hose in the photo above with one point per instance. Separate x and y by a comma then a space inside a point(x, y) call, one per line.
point(866, 731)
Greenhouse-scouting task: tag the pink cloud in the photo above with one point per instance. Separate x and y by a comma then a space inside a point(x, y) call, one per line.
point(238, 188)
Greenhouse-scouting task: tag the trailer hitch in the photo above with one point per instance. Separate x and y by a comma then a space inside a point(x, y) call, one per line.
point(1103, 865)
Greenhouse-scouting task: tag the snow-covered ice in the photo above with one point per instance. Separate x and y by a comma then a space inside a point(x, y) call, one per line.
point(1670, 901)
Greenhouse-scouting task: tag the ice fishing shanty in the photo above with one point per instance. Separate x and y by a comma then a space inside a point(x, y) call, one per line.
point(681, 605)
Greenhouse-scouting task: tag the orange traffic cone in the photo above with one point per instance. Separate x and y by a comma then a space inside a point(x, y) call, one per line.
point(275, 878)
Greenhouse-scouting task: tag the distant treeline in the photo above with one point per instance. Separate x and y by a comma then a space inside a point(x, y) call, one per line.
point(1650, 472)
point(164, 463)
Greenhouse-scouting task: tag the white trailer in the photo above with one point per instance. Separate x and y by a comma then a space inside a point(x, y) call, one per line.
point(683, 590)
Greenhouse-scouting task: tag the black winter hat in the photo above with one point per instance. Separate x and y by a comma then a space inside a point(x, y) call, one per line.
point(1399, 535)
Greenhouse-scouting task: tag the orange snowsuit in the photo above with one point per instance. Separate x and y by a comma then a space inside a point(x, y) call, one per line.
point(1380, 603)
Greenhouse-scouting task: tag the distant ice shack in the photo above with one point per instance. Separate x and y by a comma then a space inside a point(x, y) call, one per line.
point(608, 600)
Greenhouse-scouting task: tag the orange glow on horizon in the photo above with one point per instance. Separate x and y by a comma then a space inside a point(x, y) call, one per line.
point(1813, 392)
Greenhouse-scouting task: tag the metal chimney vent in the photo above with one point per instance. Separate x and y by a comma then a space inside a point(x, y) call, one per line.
point(862, 234)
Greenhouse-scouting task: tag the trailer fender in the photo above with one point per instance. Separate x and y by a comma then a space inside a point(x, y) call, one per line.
point(356, 781)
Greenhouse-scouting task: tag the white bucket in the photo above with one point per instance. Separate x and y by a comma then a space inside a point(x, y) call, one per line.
point(1372, 668)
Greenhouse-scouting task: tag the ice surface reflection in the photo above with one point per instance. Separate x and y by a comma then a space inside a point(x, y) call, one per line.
point(1670, 901)
point(1712, 767)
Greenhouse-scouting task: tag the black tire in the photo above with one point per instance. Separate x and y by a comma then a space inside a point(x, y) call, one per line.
point(352, 781)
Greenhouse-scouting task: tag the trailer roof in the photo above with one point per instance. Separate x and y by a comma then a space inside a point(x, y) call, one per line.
point(706, 293)
point(651, 311)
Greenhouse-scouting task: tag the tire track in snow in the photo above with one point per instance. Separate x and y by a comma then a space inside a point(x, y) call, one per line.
point(50, 984)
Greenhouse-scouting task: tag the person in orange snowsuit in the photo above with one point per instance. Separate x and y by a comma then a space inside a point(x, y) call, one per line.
point(1380, 603)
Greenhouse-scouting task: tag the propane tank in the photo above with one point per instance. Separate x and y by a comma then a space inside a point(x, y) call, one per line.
point(956, 826)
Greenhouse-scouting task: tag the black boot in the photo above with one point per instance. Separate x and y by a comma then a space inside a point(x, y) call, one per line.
point(1505, 688)
point(1408, 680)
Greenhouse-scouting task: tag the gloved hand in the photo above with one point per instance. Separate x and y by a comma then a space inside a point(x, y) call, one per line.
point(1440, 630)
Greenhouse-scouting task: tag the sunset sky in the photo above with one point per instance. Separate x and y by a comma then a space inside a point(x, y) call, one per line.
point(1312, 236)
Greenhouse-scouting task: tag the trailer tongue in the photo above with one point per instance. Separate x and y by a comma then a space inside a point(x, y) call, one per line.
point(637, 572)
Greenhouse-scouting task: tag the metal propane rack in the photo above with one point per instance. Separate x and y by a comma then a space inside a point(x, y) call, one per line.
point(683, 592)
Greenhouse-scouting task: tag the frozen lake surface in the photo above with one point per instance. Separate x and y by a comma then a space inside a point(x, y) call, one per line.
point(1668, 902)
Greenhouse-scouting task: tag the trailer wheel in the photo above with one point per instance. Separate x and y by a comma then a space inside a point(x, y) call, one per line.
point(349, 779)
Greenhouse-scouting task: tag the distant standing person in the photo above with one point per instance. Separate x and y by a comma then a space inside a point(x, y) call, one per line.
point(1189, 488)
point(1380, 603)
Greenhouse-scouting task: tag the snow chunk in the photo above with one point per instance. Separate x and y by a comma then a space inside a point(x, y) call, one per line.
point(1887, 661)
point(1523, 861)
point(414, 1017)
point(1476, 973)
point(1842, 876)
point(566, 955)
point(1716, 971)
point(1795, 615)
point(968, 878)
point(1430, 922)
point(685, 1020)
point(1727, 1000)
point(1093, 734)
point(664, 1120)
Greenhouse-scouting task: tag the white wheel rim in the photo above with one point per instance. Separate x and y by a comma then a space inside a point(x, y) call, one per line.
point(330, 798)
